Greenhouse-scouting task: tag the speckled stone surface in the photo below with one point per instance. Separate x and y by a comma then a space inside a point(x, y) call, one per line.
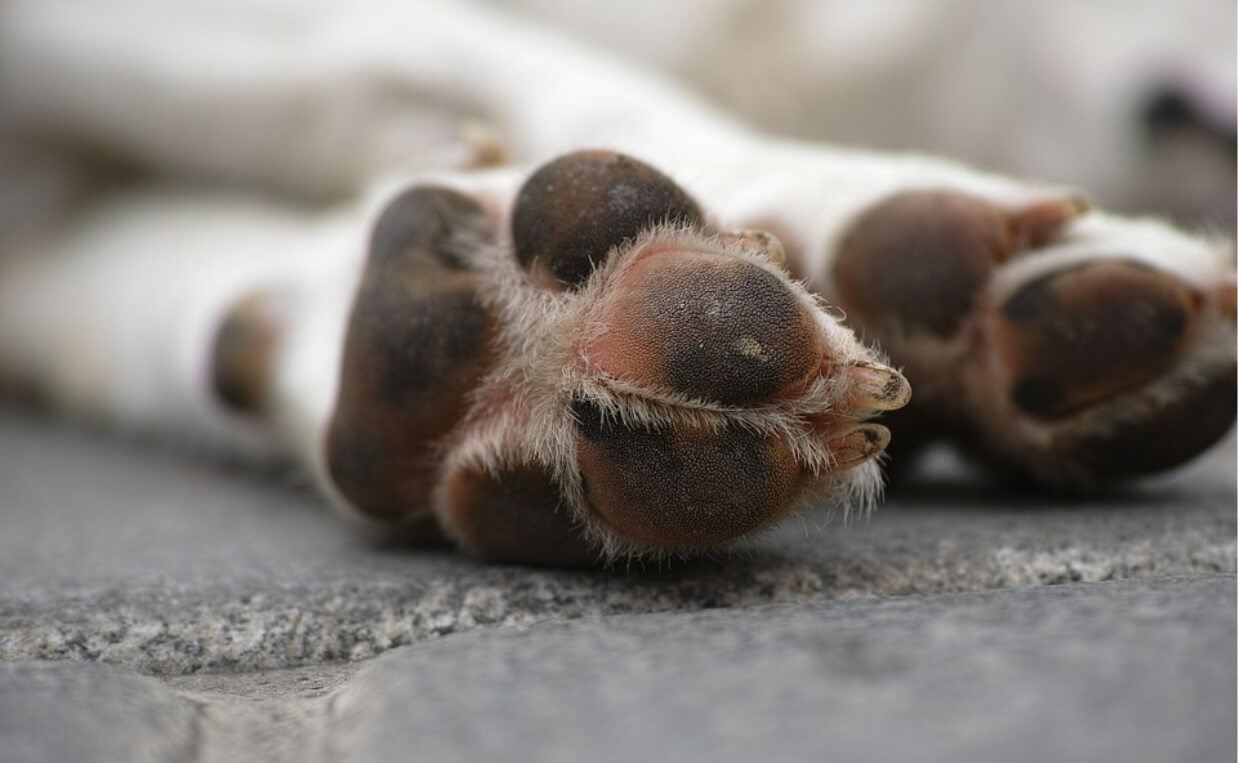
point(1118, 671)
point(238, 618)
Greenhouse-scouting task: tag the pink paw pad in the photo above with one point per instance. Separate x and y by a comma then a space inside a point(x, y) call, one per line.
point(712, 327)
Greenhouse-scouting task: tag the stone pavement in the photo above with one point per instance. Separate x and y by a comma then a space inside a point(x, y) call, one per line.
point(159, 607)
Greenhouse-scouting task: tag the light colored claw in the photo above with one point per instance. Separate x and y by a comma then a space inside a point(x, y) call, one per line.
point(859, 445)
point(759, 242)
point(878, 387)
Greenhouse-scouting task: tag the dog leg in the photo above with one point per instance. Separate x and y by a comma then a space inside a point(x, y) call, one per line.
point(560, 367)
point(320, 100)
point(112, 318)
point(853, 224)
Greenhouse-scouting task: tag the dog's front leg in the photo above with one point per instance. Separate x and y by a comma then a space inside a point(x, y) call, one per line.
point(558, 367)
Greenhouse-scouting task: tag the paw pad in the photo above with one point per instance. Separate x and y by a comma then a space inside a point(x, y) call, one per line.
point(680, 486)
point(1169, 435)
point(1087, 333)
point(418, 341)
point(712, 327)
point(686, 395)
point(242, 354)
point(575, 210)
point(915, 262)
point(515, 515)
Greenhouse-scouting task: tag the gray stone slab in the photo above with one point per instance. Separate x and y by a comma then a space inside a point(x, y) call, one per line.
point(58, 711)
point(1120, 671)
point(117, 552)
point(1126, 671)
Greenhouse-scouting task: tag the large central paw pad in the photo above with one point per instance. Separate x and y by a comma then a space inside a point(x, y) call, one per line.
point(710, 326)
point(648, 386)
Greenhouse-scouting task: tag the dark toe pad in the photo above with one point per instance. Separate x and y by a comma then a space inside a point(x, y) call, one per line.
point(418, 341)
point(573, 211)
point(1087, 333)
point(682, 488)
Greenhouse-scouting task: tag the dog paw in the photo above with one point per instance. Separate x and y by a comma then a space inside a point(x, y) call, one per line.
point(1061, 343)
point(586, 370)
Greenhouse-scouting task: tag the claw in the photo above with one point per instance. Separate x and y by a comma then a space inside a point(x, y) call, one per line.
point(1037, 224)
point(759, 242)
point(880, 388)
point(861, 444)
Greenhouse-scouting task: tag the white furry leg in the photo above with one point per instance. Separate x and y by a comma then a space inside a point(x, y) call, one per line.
point(321, 99)
point(459, 372)
point(115, 318)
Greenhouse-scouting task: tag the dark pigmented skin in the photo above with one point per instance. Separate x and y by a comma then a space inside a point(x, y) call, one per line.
point(682, 488)
point(575, 209)
point(241, 356)
point(916, 262)
point(1085, 334)
point(715, 328)
point(1173, 435)
point(441, 330)
point(1036, 299)
point(516, 516)
point(426, 219)
point(418, 340)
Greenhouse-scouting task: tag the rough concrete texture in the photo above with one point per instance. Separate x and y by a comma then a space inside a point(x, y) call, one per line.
point(132, 555)
point(1121, 671)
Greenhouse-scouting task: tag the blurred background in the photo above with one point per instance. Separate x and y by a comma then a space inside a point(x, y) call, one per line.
point(1132, 100)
